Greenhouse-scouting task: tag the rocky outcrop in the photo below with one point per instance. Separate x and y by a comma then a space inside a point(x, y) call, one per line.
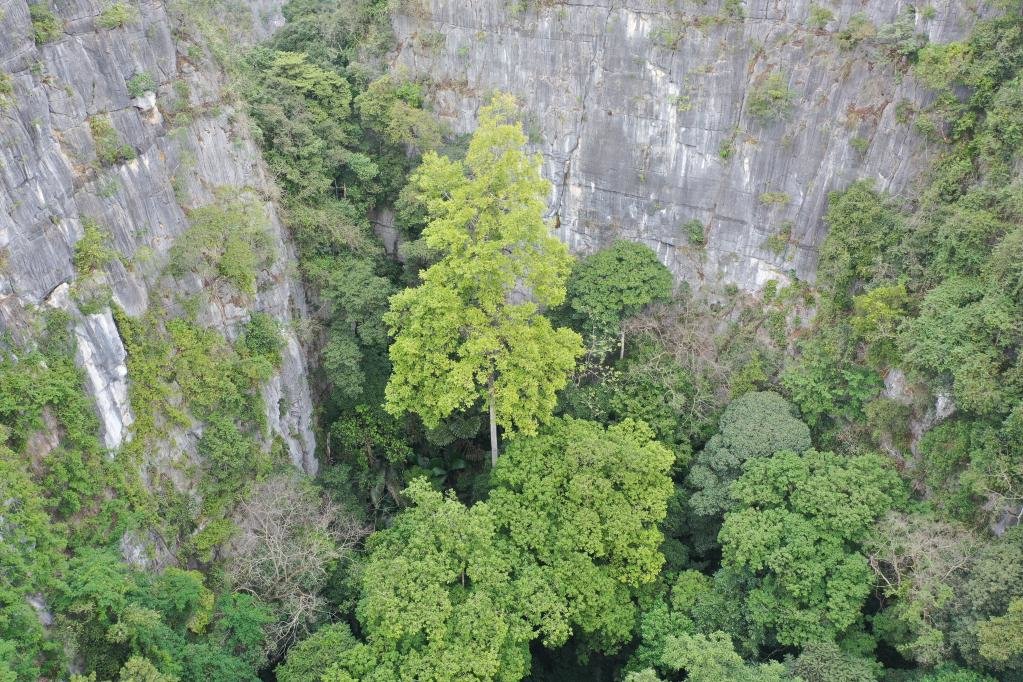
point(101, 353)
point(642, 111)
point(182, 142)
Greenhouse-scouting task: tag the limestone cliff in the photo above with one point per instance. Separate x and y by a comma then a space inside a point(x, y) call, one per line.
point(642, 110)
point(53, 184)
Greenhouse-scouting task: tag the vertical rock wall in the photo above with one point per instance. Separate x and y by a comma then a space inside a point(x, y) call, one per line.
point(51, 183)
point(641, 111)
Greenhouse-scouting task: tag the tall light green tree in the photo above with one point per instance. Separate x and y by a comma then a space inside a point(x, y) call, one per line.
point(473, 330)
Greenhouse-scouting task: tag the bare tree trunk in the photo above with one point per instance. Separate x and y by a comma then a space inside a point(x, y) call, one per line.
point(493, 426)
point(621, 345)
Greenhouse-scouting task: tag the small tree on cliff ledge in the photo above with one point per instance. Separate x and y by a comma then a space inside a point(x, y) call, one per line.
point(472, 331)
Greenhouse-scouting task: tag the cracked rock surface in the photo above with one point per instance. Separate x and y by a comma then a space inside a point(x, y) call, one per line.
point(641, 111)
point(51, 183)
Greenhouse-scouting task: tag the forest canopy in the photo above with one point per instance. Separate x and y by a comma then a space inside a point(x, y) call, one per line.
point(535, 465)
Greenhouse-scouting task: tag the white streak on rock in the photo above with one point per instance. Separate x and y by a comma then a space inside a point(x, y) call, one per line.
point(101, 354)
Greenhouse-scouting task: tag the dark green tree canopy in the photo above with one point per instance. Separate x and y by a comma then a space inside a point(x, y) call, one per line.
point(754, 425)
point(613, 284)
point(438, 598)
point(798, 527)
point(562, 546)
point(582, 504)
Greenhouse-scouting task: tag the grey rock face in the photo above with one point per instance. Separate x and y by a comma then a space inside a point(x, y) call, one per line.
point(641, 111)
point(266, 17)
point(51, 183)
point(101, 354)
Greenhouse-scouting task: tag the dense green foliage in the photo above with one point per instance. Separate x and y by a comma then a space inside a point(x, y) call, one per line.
point(932, 289)
point(594, 539)
point(728, 497)
point(455, 592)
point(119, 615)
point(110, 149)
point(30, 557)
point(91, 251)
point(710, 659)
point(117, 15)
point(462, 337)
point(613, 284)
point(65, 509)
point(6, 89)
point(770, 100)
point(226, 242)
point(42, 391)
point(46, 26)
point(438, 597)
point(340, 138)
point(754, 425)
point(140, 84)
point(796, 528)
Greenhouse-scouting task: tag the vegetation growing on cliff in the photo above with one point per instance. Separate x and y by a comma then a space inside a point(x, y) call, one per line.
point(783, 561)
point(46, 26)
point(689, 489)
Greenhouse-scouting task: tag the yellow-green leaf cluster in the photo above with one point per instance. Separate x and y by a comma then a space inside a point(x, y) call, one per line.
point(473, 329)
